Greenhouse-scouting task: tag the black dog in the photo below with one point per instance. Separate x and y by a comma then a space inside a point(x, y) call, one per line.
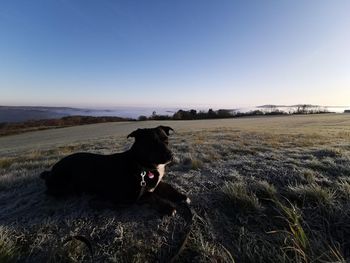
point(121, 177)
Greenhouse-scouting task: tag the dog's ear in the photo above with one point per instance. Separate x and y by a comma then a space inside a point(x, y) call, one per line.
point(135, 134)
point(166, 129)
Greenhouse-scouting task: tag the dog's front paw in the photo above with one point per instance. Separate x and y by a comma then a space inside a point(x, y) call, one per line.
point(170, 211)
point(184, 199)
point(166, 209)
point(173, 213)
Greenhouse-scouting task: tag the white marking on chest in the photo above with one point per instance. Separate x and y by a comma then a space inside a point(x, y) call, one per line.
point(161, 171)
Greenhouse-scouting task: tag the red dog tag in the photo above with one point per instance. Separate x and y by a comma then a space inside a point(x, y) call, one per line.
point(150, 175)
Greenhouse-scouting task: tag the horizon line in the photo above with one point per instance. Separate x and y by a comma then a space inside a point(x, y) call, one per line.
point(170, 106)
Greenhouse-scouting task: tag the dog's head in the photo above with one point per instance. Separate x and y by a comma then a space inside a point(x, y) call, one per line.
point(151, 145)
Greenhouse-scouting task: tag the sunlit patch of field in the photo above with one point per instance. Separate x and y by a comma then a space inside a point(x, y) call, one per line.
point(271, 189)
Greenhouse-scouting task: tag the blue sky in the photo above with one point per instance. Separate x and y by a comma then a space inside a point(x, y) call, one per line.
point(174, 53)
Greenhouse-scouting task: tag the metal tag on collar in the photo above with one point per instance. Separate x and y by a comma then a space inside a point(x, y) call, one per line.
point(143, 182)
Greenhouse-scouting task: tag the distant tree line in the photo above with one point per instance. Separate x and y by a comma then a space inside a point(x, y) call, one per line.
point(309, 109)
point(224, 113)
point(33, 125)
point(191, 115)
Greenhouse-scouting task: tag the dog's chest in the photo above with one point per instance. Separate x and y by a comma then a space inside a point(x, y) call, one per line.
point(160, 170)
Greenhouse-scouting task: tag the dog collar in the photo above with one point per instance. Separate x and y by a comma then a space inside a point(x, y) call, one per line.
point(143, 182)
point(143, 174)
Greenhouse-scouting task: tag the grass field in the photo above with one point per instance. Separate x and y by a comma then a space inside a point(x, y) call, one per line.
point(269, 189)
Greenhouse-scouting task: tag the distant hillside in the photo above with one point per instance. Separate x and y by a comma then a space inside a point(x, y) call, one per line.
point(34, 125)
point(25, 113)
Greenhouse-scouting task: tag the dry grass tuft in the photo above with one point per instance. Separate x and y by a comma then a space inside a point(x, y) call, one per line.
point(6, 162)
point(8, 250)
point(297, 243)
point(343, 188)
point(264, 190)
point(241, 197)
point(313, 193)
point(309, 176)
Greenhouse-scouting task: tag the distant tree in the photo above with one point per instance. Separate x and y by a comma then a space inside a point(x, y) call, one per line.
point(142, 118)
point(193, 113)
point(211, 114)
point(271, 108)
point(202, 115)
point(302, 109)
point(256, 112)
point(185, 115)
point(276, 112)
point(178, 115)
point(161, 117)
point(224, 113)
point(154, 114)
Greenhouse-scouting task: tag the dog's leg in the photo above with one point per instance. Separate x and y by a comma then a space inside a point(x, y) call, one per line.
point(166, 191)
point(163, 206)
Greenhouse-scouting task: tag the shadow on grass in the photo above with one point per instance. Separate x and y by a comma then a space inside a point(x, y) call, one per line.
point(35, 227)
